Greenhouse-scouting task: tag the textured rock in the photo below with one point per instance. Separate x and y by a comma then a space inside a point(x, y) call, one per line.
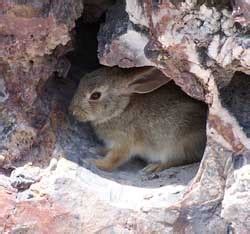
point(76, 196)
point(235, 203)
point(47, 184)
point(241, 11)
point(34, 37)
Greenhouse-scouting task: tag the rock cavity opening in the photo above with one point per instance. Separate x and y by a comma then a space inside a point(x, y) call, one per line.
point(77, 142)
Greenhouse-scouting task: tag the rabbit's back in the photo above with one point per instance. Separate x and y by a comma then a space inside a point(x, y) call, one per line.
point(168, 110)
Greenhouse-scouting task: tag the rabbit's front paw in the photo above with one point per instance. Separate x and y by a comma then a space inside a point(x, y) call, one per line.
point(112, 160)
point(102, 151)
point(103, 164)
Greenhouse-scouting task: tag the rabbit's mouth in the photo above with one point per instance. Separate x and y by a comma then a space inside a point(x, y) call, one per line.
point(79, 113)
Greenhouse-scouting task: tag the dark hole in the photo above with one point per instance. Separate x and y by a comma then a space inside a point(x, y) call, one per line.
point(2, 94)
point(236, 98)
point(238, 161)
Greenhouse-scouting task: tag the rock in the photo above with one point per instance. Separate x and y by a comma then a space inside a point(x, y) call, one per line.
point(34, 38)
point(23, 177)
point(119, 44)
point(72, 191)
point(241, 12)
point(237, 193)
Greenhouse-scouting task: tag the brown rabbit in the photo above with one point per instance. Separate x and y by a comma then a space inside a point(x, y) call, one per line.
point(165, 127)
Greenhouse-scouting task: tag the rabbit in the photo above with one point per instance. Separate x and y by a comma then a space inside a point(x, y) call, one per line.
point(140, 112)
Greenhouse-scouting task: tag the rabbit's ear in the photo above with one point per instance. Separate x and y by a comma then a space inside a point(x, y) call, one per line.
point(146, 80)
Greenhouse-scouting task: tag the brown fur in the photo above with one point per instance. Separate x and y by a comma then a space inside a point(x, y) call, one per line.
point(165, 127)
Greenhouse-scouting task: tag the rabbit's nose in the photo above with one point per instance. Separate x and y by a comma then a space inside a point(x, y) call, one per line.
point(72, 109)
point(75, 110)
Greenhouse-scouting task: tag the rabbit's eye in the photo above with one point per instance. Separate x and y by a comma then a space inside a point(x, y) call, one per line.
point(95, 96)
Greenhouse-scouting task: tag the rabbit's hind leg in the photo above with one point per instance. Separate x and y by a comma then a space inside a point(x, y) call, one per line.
point(150, 168)
point(157, 167)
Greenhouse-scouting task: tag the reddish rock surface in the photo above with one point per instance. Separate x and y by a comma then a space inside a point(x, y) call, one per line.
point(34, 38)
